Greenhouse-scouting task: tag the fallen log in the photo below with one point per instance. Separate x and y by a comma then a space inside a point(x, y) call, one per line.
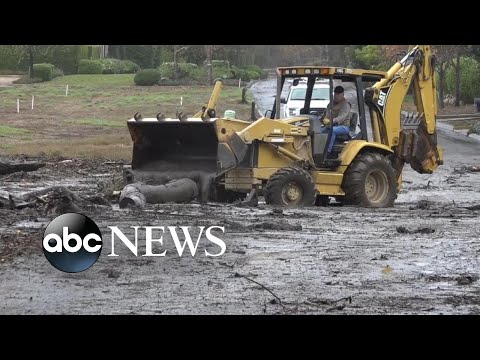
point(8, 201)
point(58, 189)
point(8, 167)
point(175, 191)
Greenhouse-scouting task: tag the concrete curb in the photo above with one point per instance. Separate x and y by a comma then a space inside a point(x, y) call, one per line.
point(448, 130)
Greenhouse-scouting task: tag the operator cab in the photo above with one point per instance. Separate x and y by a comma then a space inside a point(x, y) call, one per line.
point(309, 78)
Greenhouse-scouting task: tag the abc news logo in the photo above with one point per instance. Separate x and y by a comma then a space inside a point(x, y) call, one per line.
point(73, 242)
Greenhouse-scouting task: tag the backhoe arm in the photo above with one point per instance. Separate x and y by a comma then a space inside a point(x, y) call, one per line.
point(208, 111)
point(412, 136)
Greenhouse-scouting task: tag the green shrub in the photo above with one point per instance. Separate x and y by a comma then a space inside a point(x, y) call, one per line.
point(90, 67)
point(43, 71)
point(56, 73)
point(254, 69)
point(469, 80)
point(129, 67)
point(116, 66)
point(166, 70)
point(184, 71)
point(147, 77)
point(247, 73)
point(111, 66)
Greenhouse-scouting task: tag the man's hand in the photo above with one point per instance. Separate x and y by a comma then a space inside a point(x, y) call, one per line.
point(326, 121)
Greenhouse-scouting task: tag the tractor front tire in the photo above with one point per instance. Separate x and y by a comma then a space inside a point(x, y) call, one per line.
point(290, 186)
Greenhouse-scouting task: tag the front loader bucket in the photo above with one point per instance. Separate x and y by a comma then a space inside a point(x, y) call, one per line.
point(173, 145)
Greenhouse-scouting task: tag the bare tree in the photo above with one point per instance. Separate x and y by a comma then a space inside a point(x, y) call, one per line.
point(209, 49)
point(459, 51)
point(444, 55)
point(177, 49)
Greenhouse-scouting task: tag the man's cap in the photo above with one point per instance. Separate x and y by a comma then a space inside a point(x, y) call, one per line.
point(338, 90)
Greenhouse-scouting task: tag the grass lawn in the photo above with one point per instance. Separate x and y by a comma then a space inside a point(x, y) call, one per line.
point(91, 120)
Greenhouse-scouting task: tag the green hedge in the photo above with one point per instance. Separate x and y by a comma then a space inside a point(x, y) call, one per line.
point(56, 73)
point(184, 71)
point(129, 67)
point(43, 71)
point(115, 66)
point(248, 73)
point(147, 77)
point(64, 57)
point(90, 67)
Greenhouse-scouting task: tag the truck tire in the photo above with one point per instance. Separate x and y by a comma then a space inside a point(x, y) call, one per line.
point(370, 182)
point(290, 187)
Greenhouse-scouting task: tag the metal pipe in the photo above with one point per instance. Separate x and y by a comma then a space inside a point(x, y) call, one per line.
point(286, 152)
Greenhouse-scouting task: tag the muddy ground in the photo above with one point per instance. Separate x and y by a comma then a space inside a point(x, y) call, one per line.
point(421, 257)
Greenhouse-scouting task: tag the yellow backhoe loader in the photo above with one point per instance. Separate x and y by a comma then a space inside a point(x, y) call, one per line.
point(286, 161)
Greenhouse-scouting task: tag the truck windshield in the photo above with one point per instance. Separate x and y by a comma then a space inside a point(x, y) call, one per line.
point(318, 94)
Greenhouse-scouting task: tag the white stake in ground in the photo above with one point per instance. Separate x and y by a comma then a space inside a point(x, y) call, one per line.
point(239, 82)
point(33, 100)
point(18, 106)
point(181, 100)
point(66, 91)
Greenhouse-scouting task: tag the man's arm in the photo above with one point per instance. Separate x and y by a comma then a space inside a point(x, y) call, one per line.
point(328, 113)
point(343, 115)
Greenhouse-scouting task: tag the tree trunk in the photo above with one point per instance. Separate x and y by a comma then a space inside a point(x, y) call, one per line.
point(209, 53)
point(175, 65)
point(30, 61)
point(441, 75)
point(457, 82)
point(8, 168)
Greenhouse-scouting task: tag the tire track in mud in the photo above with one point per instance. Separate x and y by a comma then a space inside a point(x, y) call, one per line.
point(365, 259)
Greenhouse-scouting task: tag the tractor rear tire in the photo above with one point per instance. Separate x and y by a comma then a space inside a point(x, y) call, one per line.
point(370, 182)
point(290, 186)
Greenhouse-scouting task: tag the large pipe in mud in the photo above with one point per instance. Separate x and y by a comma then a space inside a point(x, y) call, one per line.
point(176, 191)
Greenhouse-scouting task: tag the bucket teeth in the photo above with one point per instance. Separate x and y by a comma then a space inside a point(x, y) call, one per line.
point(182, 117)
point(137, 116)
point(160, 116)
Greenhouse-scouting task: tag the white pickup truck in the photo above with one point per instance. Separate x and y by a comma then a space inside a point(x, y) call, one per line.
point(296, 98)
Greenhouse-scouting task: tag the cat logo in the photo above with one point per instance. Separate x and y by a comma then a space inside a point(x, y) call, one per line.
point(381, 98)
